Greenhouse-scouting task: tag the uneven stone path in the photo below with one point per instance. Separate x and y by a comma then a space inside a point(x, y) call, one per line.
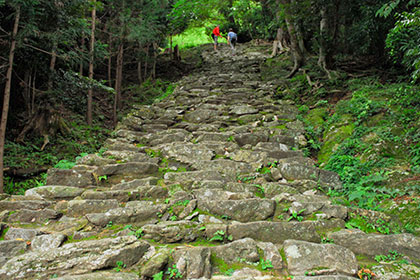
point(207, 184)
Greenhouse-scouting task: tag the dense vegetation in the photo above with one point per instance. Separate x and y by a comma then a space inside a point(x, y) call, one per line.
point(353, 69)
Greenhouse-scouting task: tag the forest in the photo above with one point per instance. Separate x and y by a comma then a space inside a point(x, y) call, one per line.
point(133, 147)
point(70, 70)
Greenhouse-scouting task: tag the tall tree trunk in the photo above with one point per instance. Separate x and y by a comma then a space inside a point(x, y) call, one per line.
point(52, 65)
point(27, 92)
point(6, 96)
point(118, 81)
point(81, 61)
point(91, 59)
point(146, 49)
point(323, 38)
point(139, 71)
point(155, 50)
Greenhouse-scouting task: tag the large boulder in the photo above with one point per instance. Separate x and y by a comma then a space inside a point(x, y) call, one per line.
point(305, 257)
point(75, 258)
point(376, 244)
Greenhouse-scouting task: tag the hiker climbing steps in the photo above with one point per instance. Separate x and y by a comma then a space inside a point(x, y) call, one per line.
point(206, 184)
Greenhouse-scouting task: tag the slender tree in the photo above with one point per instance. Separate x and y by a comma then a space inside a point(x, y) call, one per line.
point(91, 60)
point(6, 96)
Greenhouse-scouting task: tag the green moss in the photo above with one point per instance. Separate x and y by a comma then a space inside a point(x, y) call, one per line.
point(316, 117)
point(334, 136)
point(222, 267)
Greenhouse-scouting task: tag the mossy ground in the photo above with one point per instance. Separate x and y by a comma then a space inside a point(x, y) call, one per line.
point(365, 129)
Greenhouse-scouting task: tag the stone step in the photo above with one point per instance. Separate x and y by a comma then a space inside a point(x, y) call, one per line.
point(75, 258)
point(135, 213)
point(240, 210)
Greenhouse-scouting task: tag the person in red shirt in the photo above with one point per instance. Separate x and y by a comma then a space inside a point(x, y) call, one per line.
point(215, 34)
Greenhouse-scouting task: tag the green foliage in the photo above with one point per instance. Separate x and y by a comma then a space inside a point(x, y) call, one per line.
point(158, 276)
point(392, 256)
point(173, 272)
point(120, 266)
point(64, 164)
point(403, 41)
point(362, 223)
point(192, 37)
point(229, 272)
point(296, 215)
point(266, 264)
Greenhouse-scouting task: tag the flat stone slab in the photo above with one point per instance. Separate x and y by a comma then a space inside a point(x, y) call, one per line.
point(325, 277)
point(55, 192)
point(187, 152)
point(26, 204)
point(11, 248)
point(127, 215)
point(244, 249)
point(34, 216)
point(106, 275)
point(193, 176)
point(75, 258)
point(77, 208)
point(278, 232)
point(377, 244)
point(47, 242)
point(70, 177)
point(137, 168)
point(240, 210)
point(172, 232)
point(305, 257)
point(21, 234)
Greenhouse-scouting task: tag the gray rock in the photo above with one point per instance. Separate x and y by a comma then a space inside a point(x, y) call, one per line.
point(273, 189)
point(325, 277)
point(193, 176)
point(208, 184)
point(278, 232)
point(128, 215)
point(218, 194)
point(156, 264)
point(250, 138)
point(11, 248)
point(137, 183)
point(193, 263)
point(375, 244)
point(55, 192)
point(240, 210)
point(28, 204)
point(244, 250)
point(271, 253)
point(243, 110)
point(134, 168)
point(47, 242)
point(66, 226)
point(293, 171)
point(200, 116)
point(70, 177)
point(219, 137)
point(34, 216)
point(307, 257)
point(75, 258)
point(94, 160)
point(77, 208)
point(172, 232)
point(103, 275)
point(21, 234)
point(187, 152)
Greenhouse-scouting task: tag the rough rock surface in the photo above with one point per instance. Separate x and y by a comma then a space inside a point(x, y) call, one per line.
point(207, 184)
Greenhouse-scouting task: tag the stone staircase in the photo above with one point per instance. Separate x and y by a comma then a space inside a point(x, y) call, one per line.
point(207, 184)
